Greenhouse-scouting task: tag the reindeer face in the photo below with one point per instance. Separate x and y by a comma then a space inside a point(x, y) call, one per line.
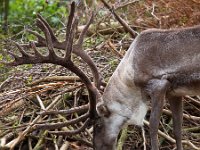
point(107, 128)
point(103, 141)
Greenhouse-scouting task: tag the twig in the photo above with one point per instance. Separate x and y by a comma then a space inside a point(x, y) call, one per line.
point(4, 83)
point(114, 49)
point(41, 140)
point(193, 100)
point(168, 112)
point(121, 21)
point(186, 142)
point(12, 105)
point(126, 4)
point(61, 124)
point(152, 12)
point(65, 145)
point(184, 115)
point(56, 78)
point(30, 144)
point(40, 102)
point(29, 89)
point(144, 138)
point(193, 129)
point(22, 135)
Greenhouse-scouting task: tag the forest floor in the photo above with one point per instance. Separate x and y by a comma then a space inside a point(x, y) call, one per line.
point(27, 91)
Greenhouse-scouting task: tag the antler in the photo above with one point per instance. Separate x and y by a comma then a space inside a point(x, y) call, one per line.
point(77, 48)
point(50, 41)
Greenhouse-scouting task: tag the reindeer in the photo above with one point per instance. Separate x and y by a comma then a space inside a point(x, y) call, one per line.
point(159, 65)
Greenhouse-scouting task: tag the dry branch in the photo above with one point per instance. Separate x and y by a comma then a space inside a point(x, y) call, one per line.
point(22, 135)
point(121, 21)
point(70, 79)
point(186, 142)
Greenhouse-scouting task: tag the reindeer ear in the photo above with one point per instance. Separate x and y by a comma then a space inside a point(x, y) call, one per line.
point(102, 109)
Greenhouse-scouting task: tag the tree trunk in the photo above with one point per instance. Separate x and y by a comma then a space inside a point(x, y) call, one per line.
point(5, 8)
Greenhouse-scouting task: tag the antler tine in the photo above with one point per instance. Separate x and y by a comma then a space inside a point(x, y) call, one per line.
point(42, 23)
point(70, 21)
point(70, 29)
point(24, 54)
point(14, 63)
point(18, 60)
point(49, 42)
point(37, 53)
point(98, 80)
point(84, 31)
point(41, 40)
point(77, 49)
point(37, 57)
point(53, 37)
point(67, 133)
point(69, 44)
point(27, 58)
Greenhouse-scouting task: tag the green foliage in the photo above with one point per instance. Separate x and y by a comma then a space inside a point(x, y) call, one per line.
point(113, 63)
point(93, 41)
point(23, 13)
point(1, 58)
point(3, 68)
point(29, 79)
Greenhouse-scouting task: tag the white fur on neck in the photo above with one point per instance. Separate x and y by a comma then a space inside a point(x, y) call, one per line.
point(138, 115)
point(123, 99)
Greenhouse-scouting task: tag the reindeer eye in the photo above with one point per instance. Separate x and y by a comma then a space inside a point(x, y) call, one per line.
point(99, 127)
point(99, 123)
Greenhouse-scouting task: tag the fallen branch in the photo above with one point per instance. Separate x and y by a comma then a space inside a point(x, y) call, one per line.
point(184, 115)
point(169, 138)
point(51, 126)
point(193, 100)
point(22, 135)
point(127, 28)
point(70, 79)
point(113, 49)
point(125, 4)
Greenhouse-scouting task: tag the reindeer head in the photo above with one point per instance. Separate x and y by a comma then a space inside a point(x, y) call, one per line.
point(102, 140)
